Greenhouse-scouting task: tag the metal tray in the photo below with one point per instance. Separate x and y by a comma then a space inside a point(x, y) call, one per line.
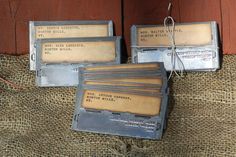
point(59, 27)
point(66, 73)
point(122, 124)
point(203, 57)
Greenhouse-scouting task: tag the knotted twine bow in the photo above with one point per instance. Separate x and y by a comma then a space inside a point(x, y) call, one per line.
point(169, 25)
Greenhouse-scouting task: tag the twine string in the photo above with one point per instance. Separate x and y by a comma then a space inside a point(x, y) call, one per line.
point(10, 83)
point(176, 62)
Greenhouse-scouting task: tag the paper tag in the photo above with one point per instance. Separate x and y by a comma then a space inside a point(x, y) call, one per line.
point(67, 31)
point(120, 102)
point(78, 52)
point(185, 35)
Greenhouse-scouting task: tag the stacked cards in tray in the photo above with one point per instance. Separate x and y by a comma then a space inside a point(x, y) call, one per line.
point(196, 46)
point(126, 100)
point(59, 48)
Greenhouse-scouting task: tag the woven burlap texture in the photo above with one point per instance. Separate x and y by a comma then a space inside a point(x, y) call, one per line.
point(36, 121)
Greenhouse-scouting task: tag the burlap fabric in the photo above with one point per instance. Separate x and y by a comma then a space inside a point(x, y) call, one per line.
point(36, 121)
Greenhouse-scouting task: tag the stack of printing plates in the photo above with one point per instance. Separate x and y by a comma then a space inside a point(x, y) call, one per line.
point(59, 48)
point(126, 100)
point(196, 44)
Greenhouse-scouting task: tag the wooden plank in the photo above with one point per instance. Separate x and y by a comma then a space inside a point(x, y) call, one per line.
point(34, 10)
point(7, 27)
point(5, 12)
point(201, 10)
point(89, 10)
point(137, 12)
point(22, 37)
point(7, 36)
point(229, 26)
point(63, 10)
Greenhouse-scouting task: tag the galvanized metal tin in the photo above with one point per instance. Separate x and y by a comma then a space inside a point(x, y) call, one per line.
point(122, 124)
point(66, 73)
point(63, 29)
point(150, 126)
point(199, 57)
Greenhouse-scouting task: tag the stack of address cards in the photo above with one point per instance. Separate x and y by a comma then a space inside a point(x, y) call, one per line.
point(196, 45)
point(59, 48)
point(126, 100)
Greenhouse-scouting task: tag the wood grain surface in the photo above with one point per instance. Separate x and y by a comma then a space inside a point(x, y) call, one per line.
point(16, 14)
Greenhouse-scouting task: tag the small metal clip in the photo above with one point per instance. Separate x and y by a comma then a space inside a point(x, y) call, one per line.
point(32, 57)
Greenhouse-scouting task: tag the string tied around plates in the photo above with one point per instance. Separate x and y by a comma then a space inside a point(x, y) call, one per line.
point(177, 66)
